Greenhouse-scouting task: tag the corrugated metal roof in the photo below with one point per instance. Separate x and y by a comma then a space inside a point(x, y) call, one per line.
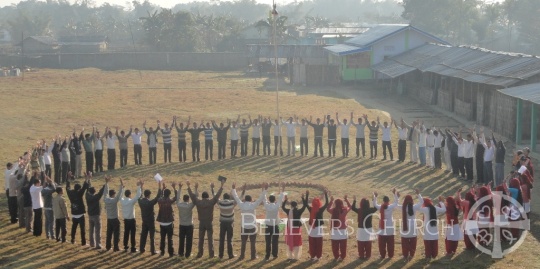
point(375, 33)
point(48, 40)
point(529, 92)
point(468, 63)
point(342, 49)
point(339, 30)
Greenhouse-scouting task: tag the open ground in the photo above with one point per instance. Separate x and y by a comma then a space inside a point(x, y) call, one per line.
point(50, 102)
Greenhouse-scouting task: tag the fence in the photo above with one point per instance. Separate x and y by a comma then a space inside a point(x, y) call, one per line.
point(132, 60)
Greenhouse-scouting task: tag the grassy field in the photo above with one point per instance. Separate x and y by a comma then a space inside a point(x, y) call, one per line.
point(50, 102)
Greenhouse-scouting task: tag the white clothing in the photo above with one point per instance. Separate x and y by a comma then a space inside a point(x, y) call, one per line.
point(431, 232)
point(256, 131)
point(363, 234)
point(412, 230)
point(303, 130)
point(402, 133)
point(35, 193)
point(111, 142)
point(234, 133)
point(386, 132)
point(128, 205)
point(454, 233)
point(316, 231)
point(389, 219)
point(345, 130)
point(360, 130)
point(339, 234)
point(272, 211)
point(291, 128)
point(277, 129)
point(136, 138)
point(248, 209)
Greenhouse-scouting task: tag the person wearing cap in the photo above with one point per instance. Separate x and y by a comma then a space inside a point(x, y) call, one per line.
point(111, 207)
point(93, 202)
point(205, 212)
point(128, 213)
point(148, 226)
point(248, 224)
point(78, 209)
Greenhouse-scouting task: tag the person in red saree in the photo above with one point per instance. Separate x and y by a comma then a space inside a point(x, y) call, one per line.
point(431, 229)
point(453, 229)
point(293, 232)
point(409, 231)
point(365, 234)
point(485, 215)
point(338, 226)
point(316, 223)
point(470, 225)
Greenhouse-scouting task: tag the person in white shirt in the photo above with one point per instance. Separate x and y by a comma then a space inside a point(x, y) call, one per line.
point(248, 224)
point(402, 142)
point(386, 138)
point(111, 148)
point(413, 141)
point(422, 139)
point(37, 206)
point(234, 137)
point(386, 224)
point(431, 229)
point(256, 136)
point(344, 135)
point(291, 133)
point(12, 200)
point(430, 148)
point(409, 231)
point(272, 206)
point(128, 213)
point(360, 136)
point(277, 137)
point(466, 154)
point(304, 138)
point(489, 155)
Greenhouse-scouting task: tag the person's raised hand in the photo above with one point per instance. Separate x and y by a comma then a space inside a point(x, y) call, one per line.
point(188, 183)
point(354, 197)
point(212, 185)
point(233, 185)
point(375, 194)
point(180, 185)
point(196, 185)
point(441, 199)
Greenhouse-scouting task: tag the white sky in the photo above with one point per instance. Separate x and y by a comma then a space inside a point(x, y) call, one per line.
point(162, 3)
point(169, 3)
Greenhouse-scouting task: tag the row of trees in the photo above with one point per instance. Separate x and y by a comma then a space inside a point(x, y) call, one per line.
point(512, 25)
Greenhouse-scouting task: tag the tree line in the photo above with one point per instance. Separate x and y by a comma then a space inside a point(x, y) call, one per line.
point(509, 25)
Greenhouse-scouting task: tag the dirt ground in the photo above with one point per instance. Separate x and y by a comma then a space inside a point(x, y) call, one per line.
point(50, 102)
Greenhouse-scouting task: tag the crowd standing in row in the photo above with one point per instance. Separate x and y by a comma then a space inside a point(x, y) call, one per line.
point(30, 188)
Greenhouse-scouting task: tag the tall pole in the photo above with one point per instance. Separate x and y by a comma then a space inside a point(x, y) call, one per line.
point(22, 55)
point(274, 17)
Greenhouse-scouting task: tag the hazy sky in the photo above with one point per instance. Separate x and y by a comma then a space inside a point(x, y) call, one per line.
point(162, 3)
point(168, 3)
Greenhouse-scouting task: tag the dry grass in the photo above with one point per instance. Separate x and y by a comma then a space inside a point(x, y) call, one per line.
point(50, 102)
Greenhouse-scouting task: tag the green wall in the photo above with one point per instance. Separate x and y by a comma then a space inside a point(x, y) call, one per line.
point(348, 74)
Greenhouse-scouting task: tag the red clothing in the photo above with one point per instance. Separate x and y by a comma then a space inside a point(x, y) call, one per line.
point(364, 249)
point(315, 247)
point(408, 246)
point(339, 248)
point(451, 246)
point(293, 237)
point(386, 242)
point(432, 248)
point(340, 222)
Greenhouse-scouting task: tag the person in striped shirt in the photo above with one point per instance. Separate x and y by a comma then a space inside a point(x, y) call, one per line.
point(166, 133)
point(244, 134)
point(373, 136)
point(256, 136)
point(208, 142)
point(226, 221)
point(181, 137)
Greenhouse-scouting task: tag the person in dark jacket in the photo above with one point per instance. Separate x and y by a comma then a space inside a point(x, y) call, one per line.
point(221, 137)
point(147, 215)
point(316, 223)
point(166, 218)
point(56, 161)
point(78, 209)
point(293, 234)
point(93, 202)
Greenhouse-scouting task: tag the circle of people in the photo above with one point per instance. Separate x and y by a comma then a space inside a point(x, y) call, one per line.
point(30, 190)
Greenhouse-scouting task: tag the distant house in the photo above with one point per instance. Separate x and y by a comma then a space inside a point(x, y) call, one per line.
point(39, 44)
point(83, 44)
point(358, 54)
point(332, 35)
point(5, 36)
